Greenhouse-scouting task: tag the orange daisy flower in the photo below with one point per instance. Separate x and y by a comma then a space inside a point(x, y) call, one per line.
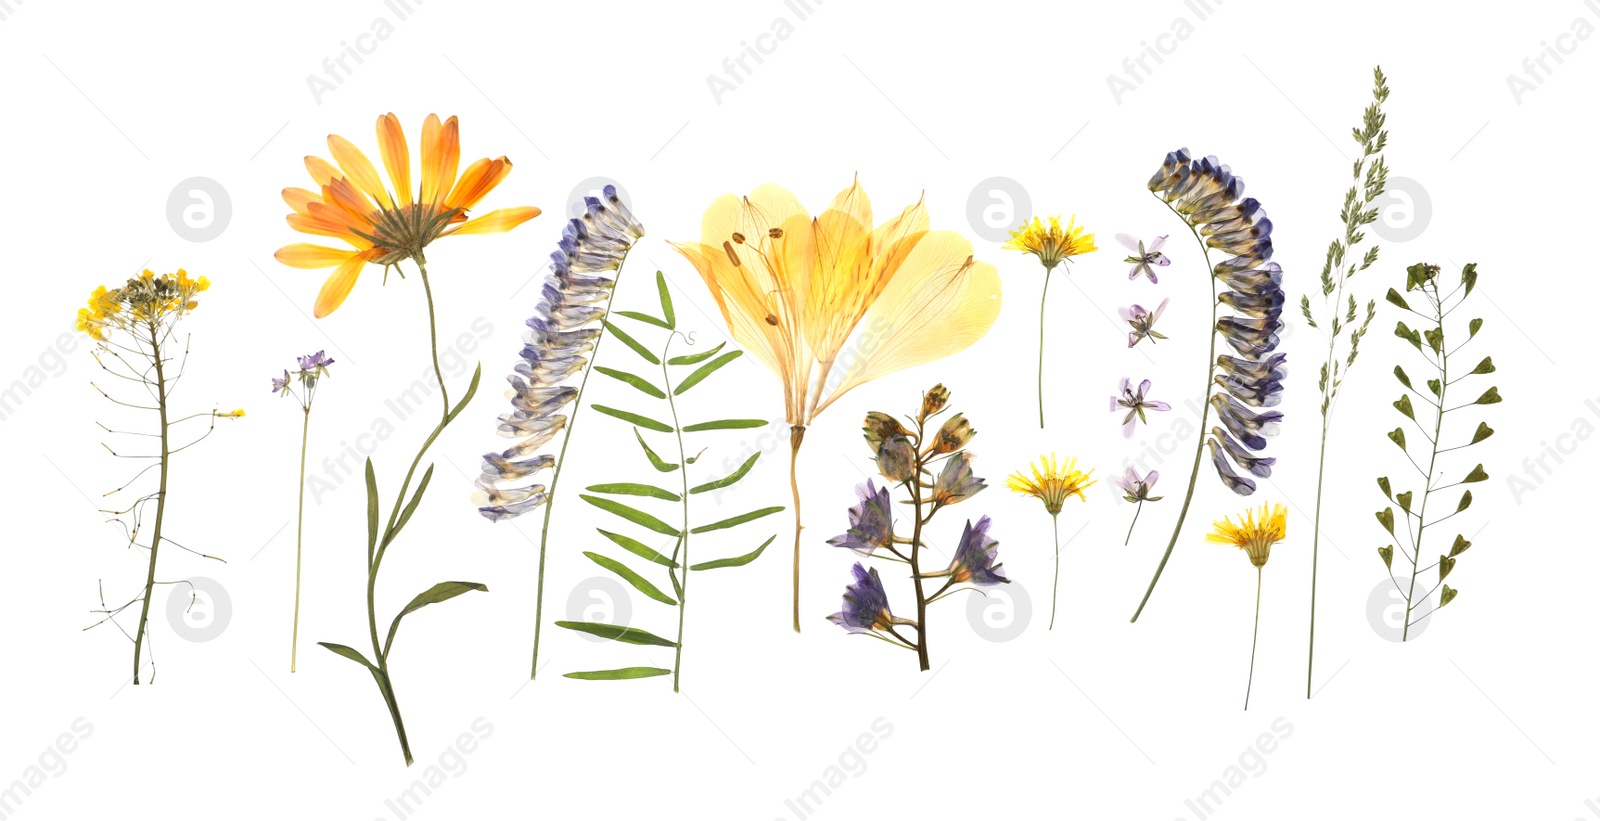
point(384, 227)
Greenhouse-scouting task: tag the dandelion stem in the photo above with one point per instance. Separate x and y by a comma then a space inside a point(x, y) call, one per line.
point(1055, 529)
point(1254, 634)
point(561, 462)
point(1205, 409)
point(161, 500)
point(299, 531)
point(1042, 296)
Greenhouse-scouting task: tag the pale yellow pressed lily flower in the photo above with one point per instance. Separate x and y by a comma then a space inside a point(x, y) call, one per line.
point(794, 289)
point(385, 227)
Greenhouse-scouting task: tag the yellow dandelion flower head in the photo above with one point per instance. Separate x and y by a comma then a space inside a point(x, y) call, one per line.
point(1053, 482)
point(1053, 244)
point(1255, 533)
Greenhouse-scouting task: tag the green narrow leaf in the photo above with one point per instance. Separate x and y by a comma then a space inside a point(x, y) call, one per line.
point(736, 561)
point(637, 381)
point(636, 489)
point(443, 591)
point(633, 418)
point(349, 653)
point(638, 548)
point(1400, 374)
point(655, 461)
point(666, 301)
point(737, 520)
point(372, 510)
point(626, 635)
point(725, 424)
point(639, 582)
point(1466, 501)
point(690, 359)
point(411, 506)
point(645, 318)
point(472, 390)
point(704, 371)
point(634, 515)
point(730, 478)
point(1473, 327)
point(619, 674)
point(632, 343)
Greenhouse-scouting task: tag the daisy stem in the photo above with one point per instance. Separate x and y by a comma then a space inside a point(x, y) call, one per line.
point(1055, 529)
point(161, 498)
point(1205, 410)
point(561, 461)
point(299, 531)
point(1136, 512)
point(1042, 295)
point(1256, 632)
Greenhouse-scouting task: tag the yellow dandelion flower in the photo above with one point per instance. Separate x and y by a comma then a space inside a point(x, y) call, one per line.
point(1254, 535)
point(1054, 244)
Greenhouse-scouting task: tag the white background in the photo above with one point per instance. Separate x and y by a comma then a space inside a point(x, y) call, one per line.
point(1489, 714)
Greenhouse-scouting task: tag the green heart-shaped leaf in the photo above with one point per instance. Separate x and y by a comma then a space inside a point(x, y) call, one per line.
point(1386, 518)
point(1404, 499)
point(1400, 374)
point(1449, 595)
point(1483, 432)
point(1446, 564)
point(1466, 501)
point(1387, 554)
point(1477, 475)
point(1460, 546)
point(1489, 397)
point(1403, 404)
point(1383, 485)
point(1398, 437)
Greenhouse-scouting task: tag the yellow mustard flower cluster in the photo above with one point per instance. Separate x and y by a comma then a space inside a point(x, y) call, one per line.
point(144, 299)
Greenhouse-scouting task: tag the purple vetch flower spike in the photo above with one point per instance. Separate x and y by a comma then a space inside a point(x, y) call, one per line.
point(561, 336)
point(866, 604)
point(974, 560)
point(871, 521)
point(1236, 483)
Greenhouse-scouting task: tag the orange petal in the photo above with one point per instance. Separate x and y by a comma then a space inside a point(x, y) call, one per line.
point(338, 285)
point(299, 198)
point(441, 156)
point(322, 171)
point(306, 255)
point(358, 169)
point(477, 181)
point(396, 155)
point(498, 221)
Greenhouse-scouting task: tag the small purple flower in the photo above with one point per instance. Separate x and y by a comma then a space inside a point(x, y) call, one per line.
point(897, 458)
point(1136, 404)
point(318, 361)
point(871, 521)
point(866, 605)
point(1143, 322)
point(1144, 256)
point(956, 482)
point(1137, 489)
point(974, 560)
point(281, 384)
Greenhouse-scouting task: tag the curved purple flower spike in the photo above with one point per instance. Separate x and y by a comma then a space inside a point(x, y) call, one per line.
point(1136, 404)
